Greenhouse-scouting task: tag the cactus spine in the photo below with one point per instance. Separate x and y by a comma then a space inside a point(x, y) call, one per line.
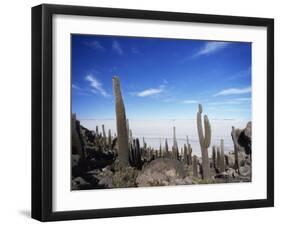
point(122, 132)
point(204, 140)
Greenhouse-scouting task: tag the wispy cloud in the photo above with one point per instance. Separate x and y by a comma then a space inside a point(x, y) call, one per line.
point(190, 102)
point(96, 86)
point(117, 47)
point(240, 74)
point(95, 45)
point(210, 48)
point(231, 102)
point(235, 101)
point(151, 91)
point(75, 87)
point(245, 99)
point(234, 91)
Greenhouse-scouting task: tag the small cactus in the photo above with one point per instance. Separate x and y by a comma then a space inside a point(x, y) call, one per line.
point(222, 157)
point(205, 140)
point(166, 149)
point(135, 154)
point(122, 132)
point(160, 150)
point(195, 166)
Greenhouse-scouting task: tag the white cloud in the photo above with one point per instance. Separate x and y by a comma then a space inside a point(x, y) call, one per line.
point(151, 91)
point(96, 86)
point(190, 102)
point(235, 101)
point(117, 47)
point(243, 99)
point(211, 47)
point(233, 91)
point(95, 45)
point(75, 87)
point(241, 74)
point(224, 103)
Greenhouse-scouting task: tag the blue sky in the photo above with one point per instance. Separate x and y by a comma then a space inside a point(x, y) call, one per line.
point(160, 78)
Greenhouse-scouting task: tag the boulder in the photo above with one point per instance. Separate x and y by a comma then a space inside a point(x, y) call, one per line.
point(163, 171)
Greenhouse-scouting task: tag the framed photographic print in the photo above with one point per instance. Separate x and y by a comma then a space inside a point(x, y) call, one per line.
point(145, 112)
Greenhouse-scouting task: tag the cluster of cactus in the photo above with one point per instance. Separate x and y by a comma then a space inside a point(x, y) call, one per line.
point(130, 153)
point(187, 152)
point(204, 140)
point(135, 157)
point(219, 158)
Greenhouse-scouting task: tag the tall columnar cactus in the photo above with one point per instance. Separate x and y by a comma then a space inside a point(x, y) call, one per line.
point(144, 144)
point(222, 158)
point(109, 139)
point(205, 140)
point(189, 154)
point(175, 145)
point(236, 146)
point(185, 156)
point(214, 159)
point(121, 122)
point(218, 165)
point(97, 130)
point(77, 141)
point(166, 148)
point(160, 149)
point(195, 166)
point(103, 134)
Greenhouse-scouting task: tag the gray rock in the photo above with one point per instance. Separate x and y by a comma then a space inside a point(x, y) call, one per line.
point(78, 182)
point(163, 172)
point(75, 160)
point(245, 170)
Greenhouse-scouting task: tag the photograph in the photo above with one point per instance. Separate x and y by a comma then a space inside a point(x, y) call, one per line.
point(154, 111)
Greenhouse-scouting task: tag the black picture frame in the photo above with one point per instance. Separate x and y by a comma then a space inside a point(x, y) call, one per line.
point(42, 111)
